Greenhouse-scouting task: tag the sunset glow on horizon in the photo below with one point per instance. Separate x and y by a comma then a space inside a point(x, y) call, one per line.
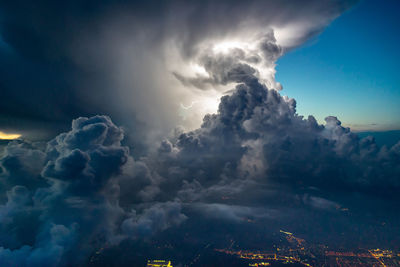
point(5, 136)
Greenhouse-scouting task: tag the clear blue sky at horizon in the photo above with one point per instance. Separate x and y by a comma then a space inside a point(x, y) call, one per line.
point(350, 70)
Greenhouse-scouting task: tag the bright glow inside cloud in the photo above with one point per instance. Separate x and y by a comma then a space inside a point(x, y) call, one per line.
point(198, 70)
point(225, 46)
point(157, 76)
point(204, 104)
point(218, 66)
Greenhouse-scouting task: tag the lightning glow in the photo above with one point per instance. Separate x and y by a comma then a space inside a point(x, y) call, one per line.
point(225, 46)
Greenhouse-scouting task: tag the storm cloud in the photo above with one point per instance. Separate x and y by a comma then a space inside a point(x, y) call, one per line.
point(119, 58)
point(150, 169)
point(68, 197)
point(251, 161)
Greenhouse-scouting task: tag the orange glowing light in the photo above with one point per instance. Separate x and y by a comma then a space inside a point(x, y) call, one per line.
point(5, 136)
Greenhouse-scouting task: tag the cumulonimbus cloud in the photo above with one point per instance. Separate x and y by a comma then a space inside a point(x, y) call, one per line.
point(252, 159)
point(118, 58)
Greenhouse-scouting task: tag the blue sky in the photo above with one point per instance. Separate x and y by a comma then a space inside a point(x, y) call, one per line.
point(350, 70)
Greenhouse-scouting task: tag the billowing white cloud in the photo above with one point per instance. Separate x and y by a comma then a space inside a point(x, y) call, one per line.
point(170, 73)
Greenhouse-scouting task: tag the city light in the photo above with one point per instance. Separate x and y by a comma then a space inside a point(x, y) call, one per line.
point(298, 251)
point(159, 263)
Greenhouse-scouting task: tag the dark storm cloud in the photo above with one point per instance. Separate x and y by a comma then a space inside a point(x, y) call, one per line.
point(257, 139)
point(257, 160)
point(254, 161)
point(65, 60)
point(67, 195)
